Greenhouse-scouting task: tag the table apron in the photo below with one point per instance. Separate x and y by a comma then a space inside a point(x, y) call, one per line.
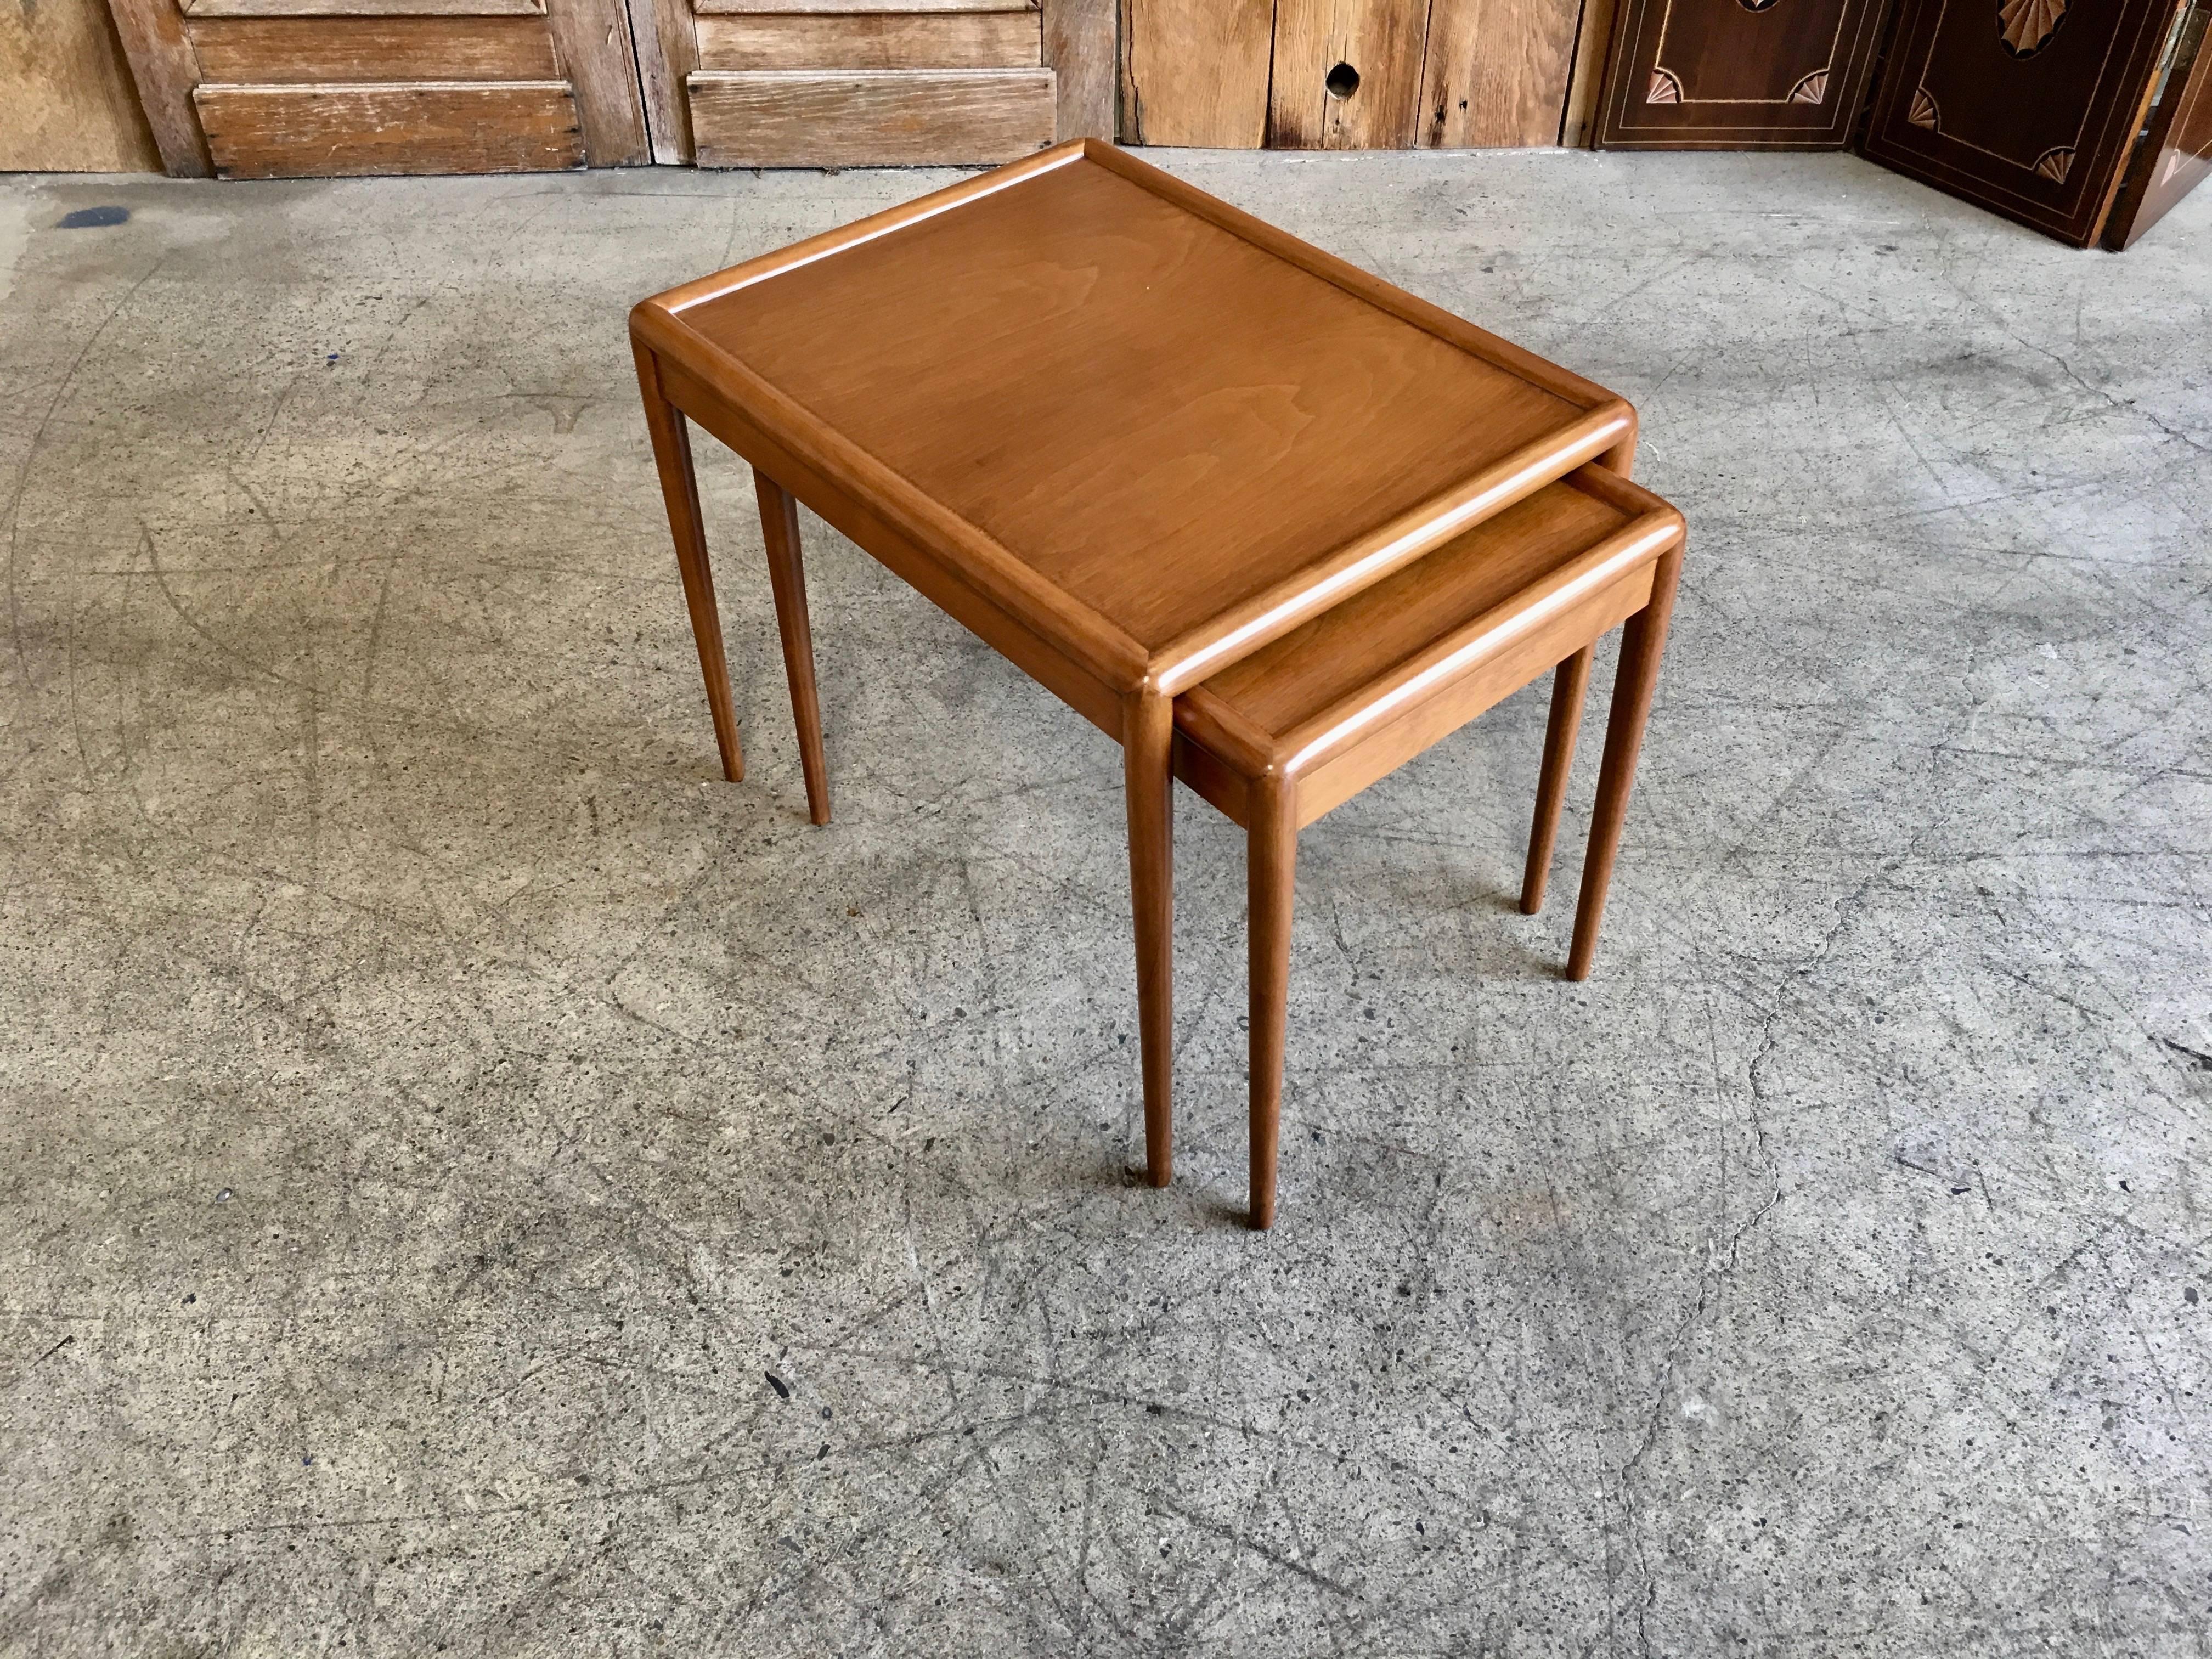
point(1043, 660)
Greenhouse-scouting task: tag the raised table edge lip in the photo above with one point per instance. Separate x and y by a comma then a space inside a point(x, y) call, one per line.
point(967, 553)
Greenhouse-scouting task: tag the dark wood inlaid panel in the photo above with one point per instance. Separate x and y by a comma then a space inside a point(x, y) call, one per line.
point(1737, 74)
point(2028, 108)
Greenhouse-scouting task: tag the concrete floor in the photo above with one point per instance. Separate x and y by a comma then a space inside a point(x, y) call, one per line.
point(470, 1182)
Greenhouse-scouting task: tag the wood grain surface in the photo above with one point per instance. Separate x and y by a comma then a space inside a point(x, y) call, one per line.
point(863, 117)
point(1380, 40)
point(1082, 48)
point(1150, 403)
point(163, 68)
point(67, 104)
point(1495, 73)
point(277, 132)
point(872, 40)
point(1717, 75)
point(278, 51)
point(1196, 72)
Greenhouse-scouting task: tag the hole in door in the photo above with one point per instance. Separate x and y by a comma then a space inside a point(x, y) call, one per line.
point(1343, 81)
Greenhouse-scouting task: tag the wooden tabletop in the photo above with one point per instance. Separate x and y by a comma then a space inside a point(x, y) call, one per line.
point(1152, 427)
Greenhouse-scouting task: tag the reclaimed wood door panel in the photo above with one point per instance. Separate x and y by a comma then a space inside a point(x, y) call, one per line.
point(2029, 109)
point(872, 82)
point(2175, 154)
point(1738, 74)
point(1350, 74)
point(271, 88)
point(869, 117)
point(1196, 72)
point(1346, 74)
point(1496, 72)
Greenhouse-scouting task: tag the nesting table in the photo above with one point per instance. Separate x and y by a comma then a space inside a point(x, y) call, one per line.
point(1128, 434)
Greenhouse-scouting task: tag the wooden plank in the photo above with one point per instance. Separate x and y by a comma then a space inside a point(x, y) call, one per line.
point(66, 92)
point(286, 51)
point(879, 40)
point(666, 36)
point(1195, 72)
point(1082, 42)
point(1346, 74)
point(363, 8)
point(865, 118)
point(1497, 73)
point(593, 40)
point(788, 7)
point(1586, 80)
point(163, 65)
point(277, 132)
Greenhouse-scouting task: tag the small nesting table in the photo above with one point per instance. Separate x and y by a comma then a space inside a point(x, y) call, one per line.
point(1127, 433)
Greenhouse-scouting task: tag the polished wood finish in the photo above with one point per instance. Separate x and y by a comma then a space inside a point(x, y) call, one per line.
point(1125, 432)
point(1570, 681)
point(1307, 722)
point(417, 126)
point(866, 118)
point(787, 574)
point(290, 51)
point(1634, 678)
point(2175, 154)
point(1720, 74)
point(680, 489)
point(1271, 864)
point(1148, 739)
point(873, 40)
point(2032, 113)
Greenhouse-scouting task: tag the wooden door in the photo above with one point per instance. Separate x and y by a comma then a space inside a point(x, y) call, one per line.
point(269, 88)
point(872, 82)
point(2029, 108)
point(2175, 153)
point(1738, 74)
point(1348, 74)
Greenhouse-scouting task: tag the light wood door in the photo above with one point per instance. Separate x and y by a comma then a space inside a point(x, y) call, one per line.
point(1350, 74)
point(871, 82)
point(272, 89)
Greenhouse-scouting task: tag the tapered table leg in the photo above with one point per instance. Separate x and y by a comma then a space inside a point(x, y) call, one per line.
point(679, 487)
point(1642, 642)
point(786, 574)
point(1271, 859)
point(1148, 732)
point(1570, 680)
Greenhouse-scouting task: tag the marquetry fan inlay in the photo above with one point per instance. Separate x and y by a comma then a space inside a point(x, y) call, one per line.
point(1665, 88)
point(2024, 25)
point(1812, 89)
point(2052, 164)
point(1756, 5)
point(1923, 113)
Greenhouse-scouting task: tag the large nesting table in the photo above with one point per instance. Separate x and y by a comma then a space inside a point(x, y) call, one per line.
point(1125, 433)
